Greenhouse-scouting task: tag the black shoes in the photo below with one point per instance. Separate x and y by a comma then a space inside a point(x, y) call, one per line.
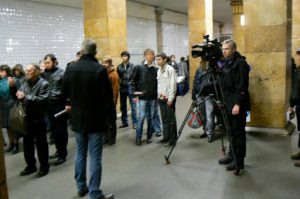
point(60, 161)
point(296, 156)
point(138, 142)
point(210, 138)
point(225, 160)
point(54, 156)
point(41, 173)
point(83, 193)
point(204, 135)
point(123, 126)
point(28, 171)
point(233, 167)
point(149, 139)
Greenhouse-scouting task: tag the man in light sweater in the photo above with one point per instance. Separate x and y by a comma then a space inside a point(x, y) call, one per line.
point(166, 90)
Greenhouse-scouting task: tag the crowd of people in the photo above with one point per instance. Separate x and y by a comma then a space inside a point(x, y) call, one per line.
point(88, 93)
point(45, 89)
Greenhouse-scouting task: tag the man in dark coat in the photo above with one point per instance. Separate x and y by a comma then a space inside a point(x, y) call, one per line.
point(235, 83)
point(88, 89)
point(34, 93)
point(59, 126)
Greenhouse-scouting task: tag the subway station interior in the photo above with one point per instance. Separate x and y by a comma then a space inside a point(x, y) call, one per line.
point(266, 32)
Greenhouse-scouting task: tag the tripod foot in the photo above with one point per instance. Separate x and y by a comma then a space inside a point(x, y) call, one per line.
point(167, 160)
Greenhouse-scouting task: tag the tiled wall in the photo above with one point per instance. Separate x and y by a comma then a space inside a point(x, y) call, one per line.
point(29, 30)
point(175, 40)
point(141, 34)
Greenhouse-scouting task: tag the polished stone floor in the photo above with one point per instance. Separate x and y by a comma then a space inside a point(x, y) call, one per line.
point(132, 172)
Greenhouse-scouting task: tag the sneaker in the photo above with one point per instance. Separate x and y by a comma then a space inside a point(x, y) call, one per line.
point(296, 156)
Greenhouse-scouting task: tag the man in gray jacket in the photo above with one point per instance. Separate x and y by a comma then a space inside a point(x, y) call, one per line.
point(166, 90)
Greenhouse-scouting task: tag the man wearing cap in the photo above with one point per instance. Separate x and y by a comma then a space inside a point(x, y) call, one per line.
point(295, 100)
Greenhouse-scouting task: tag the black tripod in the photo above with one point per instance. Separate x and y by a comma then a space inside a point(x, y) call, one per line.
point(218, 98)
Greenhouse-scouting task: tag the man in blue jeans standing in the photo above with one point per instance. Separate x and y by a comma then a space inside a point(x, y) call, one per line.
point(88, 89)
point(144, 86)
point(125, 72)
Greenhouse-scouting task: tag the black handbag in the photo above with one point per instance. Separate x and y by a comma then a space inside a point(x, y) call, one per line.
point(18, 118)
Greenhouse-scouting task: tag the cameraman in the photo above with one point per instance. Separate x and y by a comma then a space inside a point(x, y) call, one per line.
point(207, 108)
point(235, 83)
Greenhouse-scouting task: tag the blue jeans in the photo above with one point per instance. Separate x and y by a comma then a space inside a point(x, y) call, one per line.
point(147, 109)
point(123, 102)
point(157, 124)
point(92, 143)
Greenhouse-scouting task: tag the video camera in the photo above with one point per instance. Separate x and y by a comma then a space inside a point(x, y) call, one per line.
point(209, 51)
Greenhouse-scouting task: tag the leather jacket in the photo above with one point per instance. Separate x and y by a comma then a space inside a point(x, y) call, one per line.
point(125, 75)
point(54, 77)
point(36, 98)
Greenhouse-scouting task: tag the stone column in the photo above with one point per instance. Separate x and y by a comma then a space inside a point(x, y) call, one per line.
point(267, 48)
point(159, 29)
point(200, 15)
point(238, 29)
point(105, 21)
point(3, 182)
point(295, 27)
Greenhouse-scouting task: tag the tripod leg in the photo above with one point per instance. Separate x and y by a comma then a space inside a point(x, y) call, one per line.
point(167, 157)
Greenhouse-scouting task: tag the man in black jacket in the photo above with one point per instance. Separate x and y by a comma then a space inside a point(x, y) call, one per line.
point(144, 86)
point(87, 86)
point(295, 100)
point(57, 100)
point(125, 70)
point(34, 93)
point(235, 83)
point(207, 108)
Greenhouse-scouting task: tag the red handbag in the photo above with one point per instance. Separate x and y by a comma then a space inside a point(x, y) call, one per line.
point(195, 120)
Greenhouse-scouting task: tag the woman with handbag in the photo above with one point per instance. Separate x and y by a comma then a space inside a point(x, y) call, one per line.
point(7, 103)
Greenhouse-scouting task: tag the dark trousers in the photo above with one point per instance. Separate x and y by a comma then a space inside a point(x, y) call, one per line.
point(36, 136)
point(169, 122)
point(111, 134)
point(298, 121)
point(59, 129)
point(237, 124)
